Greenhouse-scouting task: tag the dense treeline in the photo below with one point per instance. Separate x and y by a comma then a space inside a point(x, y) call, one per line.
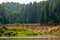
point(45, 12)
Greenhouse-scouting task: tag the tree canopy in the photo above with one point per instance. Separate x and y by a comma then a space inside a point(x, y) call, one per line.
point(45, 12)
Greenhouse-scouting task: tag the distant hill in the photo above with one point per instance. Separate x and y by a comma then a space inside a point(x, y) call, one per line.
point(13, 7)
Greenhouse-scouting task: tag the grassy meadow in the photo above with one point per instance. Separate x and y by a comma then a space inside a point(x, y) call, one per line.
point(28, 30)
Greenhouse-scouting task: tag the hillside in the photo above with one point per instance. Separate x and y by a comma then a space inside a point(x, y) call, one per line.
point(13, 7)
point(54, 31)
point(45, 12)
point(45, 30)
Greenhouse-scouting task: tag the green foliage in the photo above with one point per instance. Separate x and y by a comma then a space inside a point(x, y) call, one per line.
point(51, 22)
point(18, 32)
point(10, 34)
point(43, 12)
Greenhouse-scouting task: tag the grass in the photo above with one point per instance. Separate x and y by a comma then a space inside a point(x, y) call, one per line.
point(24, 24)
point(17, 31)
point(17, 39)
point(54, 31)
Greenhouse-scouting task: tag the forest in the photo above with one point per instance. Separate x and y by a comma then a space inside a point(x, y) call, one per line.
point(32, 19)
point(44, 12)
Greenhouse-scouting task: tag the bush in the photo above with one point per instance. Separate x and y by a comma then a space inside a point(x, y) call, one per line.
point(10, 34)
point(18, 32)
point(51, 22)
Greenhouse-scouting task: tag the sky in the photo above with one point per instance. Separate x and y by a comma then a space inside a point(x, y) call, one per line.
point(20, 1)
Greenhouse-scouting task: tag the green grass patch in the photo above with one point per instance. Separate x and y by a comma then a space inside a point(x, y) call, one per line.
point(18, 32)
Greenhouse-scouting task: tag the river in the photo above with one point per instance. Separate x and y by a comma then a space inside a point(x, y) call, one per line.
point(32, 38)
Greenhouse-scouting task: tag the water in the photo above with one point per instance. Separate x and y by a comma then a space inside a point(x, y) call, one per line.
point(31, 38)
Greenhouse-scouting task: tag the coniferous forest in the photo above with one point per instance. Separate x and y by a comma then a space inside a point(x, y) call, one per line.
point(44, 12)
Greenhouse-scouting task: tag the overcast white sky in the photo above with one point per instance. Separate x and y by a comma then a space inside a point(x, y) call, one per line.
point(20, 1)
